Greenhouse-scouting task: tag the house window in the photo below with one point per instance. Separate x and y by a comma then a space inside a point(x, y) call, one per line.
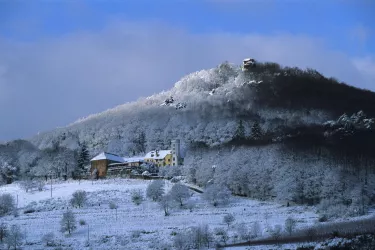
point(174, 158)
point(169, 159)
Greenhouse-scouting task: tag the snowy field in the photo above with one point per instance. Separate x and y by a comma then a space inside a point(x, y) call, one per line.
point(136, 227)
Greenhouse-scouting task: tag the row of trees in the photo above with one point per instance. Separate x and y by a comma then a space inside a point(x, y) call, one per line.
point(339, 186)
point(30, 164)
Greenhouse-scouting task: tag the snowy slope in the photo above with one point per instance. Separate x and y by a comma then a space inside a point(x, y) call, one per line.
point(155, 229)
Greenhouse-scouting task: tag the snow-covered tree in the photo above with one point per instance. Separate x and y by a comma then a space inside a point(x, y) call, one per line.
point(82, 161)
point(290, 225)
point(243, 231)
point(217, 195)
point(179, 193)
point(155, 190)
point(229, 219)
point(3, 231)
point(240, 131)
point(166, 203)
point(79, 198)
point(8, 172)
point(7, 204)
point(256, 131)
point(68, 222)
point(137, 196)
point(14, 237)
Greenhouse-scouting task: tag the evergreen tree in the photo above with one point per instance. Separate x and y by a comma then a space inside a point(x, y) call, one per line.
point(142, 142)
point(256, 131)
point(240, 131)
point(83, 159)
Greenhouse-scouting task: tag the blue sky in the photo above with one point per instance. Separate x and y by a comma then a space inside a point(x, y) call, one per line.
point(60, 55)
point(338, 22)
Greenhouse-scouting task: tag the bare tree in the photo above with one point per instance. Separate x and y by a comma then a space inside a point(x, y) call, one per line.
point(180, 193)
point(182, 241)
point(14, 237)
point(79, 198)
point(201, 236)
point(290, 225)
point(28, 185)
point(223, 234)
point(3, 231)
point(166, 203)
point(68, 222)
point(256, 230)
point(275, 232)
point(228, 219)
point(6, 204)
point(155, 190)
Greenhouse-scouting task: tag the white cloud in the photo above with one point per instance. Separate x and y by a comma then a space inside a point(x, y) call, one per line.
point(366, 66)
point(52, 82)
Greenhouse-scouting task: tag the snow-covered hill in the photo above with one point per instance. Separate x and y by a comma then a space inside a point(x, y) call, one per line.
point(207, 105)
point(268, 133)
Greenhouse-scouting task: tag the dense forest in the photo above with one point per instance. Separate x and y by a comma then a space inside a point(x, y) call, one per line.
point(271, 132)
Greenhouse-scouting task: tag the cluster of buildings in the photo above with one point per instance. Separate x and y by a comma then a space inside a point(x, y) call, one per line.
point(105, 162)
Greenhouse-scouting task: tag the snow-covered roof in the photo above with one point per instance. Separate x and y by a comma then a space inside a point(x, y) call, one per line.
point(134, 159)
point(161, 154)
point(108, 156)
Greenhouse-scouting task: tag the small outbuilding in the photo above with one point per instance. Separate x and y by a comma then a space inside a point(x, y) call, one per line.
point(100, 163)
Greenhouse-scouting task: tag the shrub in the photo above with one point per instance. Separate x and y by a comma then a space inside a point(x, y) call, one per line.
point(49, 239)
point(335, 233)
point(311, 233)
point(82, 222)
point(222, 234)
point(29, 211)
point(113, 205)
point(136, 234)
point(323, 218)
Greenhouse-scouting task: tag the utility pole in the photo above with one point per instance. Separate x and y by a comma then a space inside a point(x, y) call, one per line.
point(51, 185)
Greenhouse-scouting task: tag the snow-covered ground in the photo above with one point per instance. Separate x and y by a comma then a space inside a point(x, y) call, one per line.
point(136, 227)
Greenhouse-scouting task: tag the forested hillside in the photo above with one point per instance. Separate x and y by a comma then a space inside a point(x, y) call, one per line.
point(271, 132)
